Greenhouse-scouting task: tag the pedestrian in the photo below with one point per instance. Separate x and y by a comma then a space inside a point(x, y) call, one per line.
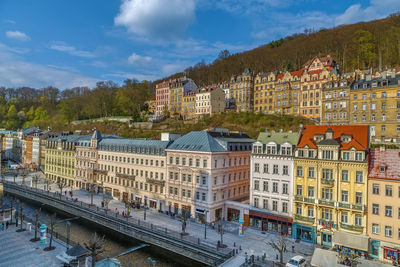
point(284, 248)
point(16, 221)
point(7, 224)
point(246, 257)
point(123, 213)
point(293, 248)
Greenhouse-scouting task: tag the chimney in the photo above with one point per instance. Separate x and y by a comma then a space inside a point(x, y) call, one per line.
point(382, 149)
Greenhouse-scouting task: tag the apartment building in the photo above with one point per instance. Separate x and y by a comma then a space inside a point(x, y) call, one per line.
point(264, 92)
point(315, 73)
point(336, 101)
point(375, 101)
point(132, 170)
point(330, 186)
point(242, 91)
point(384, 204)
point(178, 88)
point(60, 158)
point(189, 104)
point(226, 87)
point(210, 100)
point(271, 182)
point(287, 89)
point(206, 168)
point(162, 97)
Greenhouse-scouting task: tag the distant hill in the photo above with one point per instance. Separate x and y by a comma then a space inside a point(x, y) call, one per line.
point(361, 45)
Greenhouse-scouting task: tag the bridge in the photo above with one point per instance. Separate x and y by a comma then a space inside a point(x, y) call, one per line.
point(184, 245)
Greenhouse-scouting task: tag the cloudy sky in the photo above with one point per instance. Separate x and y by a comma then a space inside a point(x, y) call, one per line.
point(67, 43)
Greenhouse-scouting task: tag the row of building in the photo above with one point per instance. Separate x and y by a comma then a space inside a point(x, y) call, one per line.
point(317, 91)
point(320, 184)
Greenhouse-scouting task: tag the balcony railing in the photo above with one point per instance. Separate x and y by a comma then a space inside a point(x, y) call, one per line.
point(304, 199)
point(344, 205)
point(329, 182)
point(326, 202)
point(154, 181)
point(354, 228)
point(351, 206)
point(125, 176)
point(298, 198)
point(357, 207)
point(304, 218)
point(98, 171)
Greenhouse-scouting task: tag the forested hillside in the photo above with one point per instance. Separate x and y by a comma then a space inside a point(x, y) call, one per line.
point(360, 45)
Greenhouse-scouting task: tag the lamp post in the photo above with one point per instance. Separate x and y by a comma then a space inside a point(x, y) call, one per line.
point(144, 208)
point(205, 224)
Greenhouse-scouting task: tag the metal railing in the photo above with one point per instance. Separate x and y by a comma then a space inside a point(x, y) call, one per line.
point(354, 228)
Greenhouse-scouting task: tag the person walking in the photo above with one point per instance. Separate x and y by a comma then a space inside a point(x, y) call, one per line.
point(246, 257)
point(7, 223)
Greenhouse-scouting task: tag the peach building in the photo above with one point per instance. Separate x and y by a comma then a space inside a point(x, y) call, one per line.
point(384, 203)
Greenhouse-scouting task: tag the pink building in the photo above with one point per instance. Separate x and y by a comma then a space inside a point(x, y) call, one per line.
point(162, 97)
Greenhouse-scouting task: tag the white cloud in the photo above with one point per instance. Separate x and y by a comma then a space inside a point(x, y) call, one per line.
point(159, 19)
point(63, 47)
point(10, 21)
point(17, 35)
point(16, 72)
point(138, 59)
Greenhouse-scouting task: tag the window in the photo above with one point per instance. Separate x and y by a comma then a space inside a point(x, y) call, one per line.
point(388, 211)
point(285, 170)
point(345, 176)
point(344, 217)
point(299, 190)
point(275, 187)
point(359, 177)
point(265, 203)
point(375, 189)
point(177, 160)
point(346, 155)
point(311, 153)
point(203, 196)
point(275, 205)
point(358, 198)
point(284, 207)
point(358, 220)
point(256, 167)
point(388, 231)
point(311, 172)
point(265, 168)
point(375, 209)
point(285, 189)
point(327, 194)
point(375, 229)
point(256, 185)
point(327, 154)
point(310, 212)
point(327, 174)
point(345, 196)
point(311, 191)
point(275, 170)
point(359, 156)
point(256, 202)
point(388, 190)
point(204, 163)
point(197, 163)
point(300, 171)
point(298, 210)
point(265, 186)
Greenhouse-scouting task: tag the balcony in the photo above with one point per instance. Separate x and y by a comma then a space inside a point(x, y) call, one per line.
point(298, 198)
point(326, 202)
point(154, 181)
point(354, 228)
point(309, 200)
point(329, 182)
point(351, 206)
point(98, 171)
point(344, 205)
point(304, 218)
point(125, 176)
point(304, 199)
point(357, 207)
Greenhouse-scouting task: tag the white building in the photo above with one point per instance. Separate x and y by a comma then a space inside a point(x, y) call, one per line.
point(271, 185)
point(210, 101)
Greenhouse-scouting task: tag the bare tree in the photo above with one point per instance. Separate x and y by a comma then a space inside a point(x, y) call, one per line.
point(52, 224)
point(61, 186)
point(24, 176)
point(95, 247)
point(11, 207)
point(47, 182)
point(106, 199)
point(221, 232)
point(35, 180)
point(36, 214)
point(15, 175)
point(279, 246)
point(21, 216)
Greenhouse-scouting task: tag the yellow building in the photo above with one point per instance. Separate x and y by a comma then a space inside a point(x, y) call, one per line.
point(178, 88)
point(287, 87)
point(376, 102)
point(264, 93)
point(384, 203)
point(336, 101)
point(242, 91)
point(330, 186)
point(189, 105)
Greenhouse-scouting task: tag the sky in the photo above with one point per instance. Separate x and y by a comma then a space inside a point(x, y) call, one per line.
point(69, 43)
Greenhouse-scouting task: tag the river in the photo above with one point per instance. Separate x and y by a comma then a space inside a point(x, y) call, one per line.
point(81, 231)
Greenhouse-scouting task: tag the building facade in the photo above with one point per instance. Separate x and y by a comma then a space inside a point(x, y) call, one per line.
point(162, 97)
point(210, 101)
point(264, 92)
point(242, 91)
point(178, 88)
point(204, 170)
point(189, 105)
point(384, 204)
point(271, 183)
point(330, 186)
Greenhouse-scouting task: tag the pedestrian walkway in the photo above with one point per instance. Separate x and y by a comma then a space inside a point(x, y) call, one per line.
point(17, 250)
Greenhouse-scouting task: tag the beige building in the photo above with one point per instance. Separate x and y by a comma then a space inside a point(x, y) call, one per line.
point(205, 169)
point(384, 204)
point(210, 101)
point(242, 91)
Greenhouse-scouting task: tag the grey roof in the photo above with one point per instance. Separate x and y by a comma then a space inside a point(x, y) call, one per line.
point(329, 142)
point(73, 138)
point(96, 135)
point(381, 82)
point(30, 130)
point(77, 251)
point(146, 146)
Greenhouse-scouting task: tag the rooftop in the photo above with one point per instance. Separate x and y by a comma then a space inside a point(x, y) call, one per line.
point(279, 138)
point(388, 159)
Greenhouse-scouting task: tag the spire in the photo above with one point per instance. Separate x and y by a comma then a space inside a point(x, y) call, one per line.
point(96, 135)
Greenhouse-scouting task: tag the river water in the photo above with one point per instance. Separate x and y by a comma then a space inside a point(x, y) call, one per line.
point(82, 231)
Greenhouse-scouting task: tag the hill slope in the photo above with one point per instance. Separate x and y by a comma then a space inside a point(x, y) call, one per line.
point(352, 46)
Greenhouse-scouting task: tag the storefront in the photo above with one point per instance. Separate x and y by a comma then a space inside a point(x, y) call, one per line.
point(138, 201)
point(391, 254)
point(186, 209)
point(351, 243)
point(108, 190)
point(269, 222)
point(304, 232)
point(116, 194)
point(153, 203)
point(125, 197)
point(375, 244)
point(233, 215)
point(200, 215)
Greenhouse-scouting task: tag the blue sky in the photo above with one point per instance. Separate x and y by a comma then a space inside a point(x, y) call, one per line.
point(68, 43)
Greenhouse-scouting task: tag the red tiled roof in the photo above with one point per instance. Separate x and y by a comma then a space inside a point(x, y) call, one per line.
point(297, 73)
point(359, 135)
point(279, 76)
point(390, 158)
point(153, 98)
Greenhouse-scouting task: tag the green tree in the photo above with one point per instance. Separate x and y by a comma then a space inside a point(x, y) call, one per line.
point(364, 42)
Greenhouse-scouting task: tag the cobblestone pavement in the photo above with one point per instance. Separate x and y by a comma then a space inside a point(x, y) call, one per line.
point(254, 242)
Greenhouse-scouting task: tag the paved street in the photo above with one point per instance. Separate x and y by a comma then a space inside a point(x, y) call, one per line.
point(254, 242)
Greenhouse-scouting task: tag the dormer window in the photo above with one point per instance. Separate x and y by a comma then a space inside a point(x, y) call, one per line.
point(346, 155)
point(318, 138)
point(271, 149)
point(285, 150)
point(382, 168)
point(311, 153)
point(300, 153)
point(327, 154)
point(359, 156)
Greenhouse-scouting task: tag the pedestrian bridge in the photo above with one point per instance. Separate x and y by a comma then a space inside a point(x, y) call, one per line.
point(184, 245)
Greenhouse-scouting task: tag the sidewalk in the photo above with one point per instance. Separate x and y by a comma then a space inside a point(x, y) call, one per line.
point(254, 242)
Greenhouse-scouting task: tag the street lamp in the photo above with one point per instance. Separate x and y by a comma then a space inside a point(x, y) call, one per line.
point(205, 224)
point(144, 208)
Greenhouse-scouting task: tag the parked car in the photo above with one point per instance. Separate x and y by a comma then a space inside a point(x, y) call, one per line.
point(296, 261)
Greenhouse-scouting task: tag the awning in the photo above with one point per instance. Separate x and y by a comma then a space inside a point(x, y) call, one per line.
point(152, 199)
point(139, 196)
point(344, 239)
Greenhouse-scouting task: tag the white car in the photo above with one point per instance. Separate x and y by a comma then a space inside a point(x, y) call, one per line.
point(296, 261)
